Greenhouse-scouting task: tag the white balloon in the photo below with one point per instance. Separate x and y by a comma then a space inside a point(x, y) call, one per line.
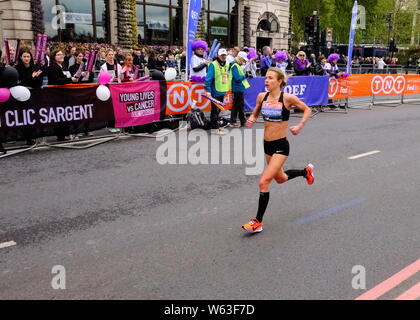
point(103, 93)
point(20, 93)
point(170, 74)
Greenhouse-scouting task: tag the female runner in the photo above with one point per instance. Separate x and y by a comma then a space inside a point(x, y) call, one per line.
point(275, 108)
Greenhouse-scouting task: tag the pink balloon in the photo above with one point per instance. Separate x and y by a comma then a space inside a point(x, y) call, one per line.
point(4, 94)
point(104, 77)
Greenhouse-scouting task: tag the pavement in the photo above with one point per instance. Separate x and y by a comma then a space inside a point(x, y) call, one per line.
point(122, 226)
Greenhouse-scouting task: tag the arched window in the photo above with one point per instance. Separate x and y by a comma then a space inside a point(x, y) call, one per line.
point(268, 22)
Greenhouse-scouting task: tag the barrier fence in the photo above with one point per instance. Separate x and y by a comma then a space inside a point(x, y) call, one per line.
point(73, 109)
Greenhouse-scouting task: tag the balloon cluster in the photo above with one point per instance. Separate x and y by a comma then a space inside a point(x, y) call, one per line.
point(103, 92)
point(8, 79)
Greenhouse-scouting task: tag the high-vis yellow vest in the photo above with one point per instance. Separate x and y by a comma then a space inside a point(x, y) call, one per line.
point(245, 82)
point(219, 73)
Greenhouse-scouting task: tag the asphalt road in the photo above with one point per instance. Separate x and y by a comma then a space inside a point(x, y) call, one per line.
point(125, 227)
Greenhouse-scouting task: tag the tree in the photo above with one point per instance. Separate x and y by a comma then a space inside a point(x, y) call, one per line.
point(336, 14)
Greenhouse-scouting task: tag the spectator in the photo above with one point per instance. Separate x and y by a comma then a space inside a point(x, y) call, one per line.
point(171, 63)
point(320, 67)
point(120, 56)
point(183, 60)
point(136, 57)
point(250, 67)
point(151, 62)
point(12, 56)
point(75, 68)
point(281, 61)
point(70, 59)
point(112, 66)
point(29, 74)
point(239, 85)
point(301, 65)
point(380, 64)
point(266, 61)
point(199, 63)
point(312, 60)
point(57, 71)
point(101, 59)
point(160, 63)
point(127, 69)
point(59, 75)
point(331, 66)
point(232, 56)
point(216, 85)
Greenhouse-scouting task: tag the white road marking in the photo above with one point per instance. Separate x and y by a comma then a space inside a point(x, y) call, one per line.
point(363, 155)
point(7, 244)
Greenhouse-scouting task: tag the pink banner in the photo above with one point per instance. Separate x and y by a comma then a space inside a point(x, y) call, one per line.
point(135, 103)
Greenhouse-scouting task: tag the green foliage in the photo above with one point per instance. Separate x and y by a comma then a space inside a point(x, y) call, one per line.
point(336, 14)
point(127, 23)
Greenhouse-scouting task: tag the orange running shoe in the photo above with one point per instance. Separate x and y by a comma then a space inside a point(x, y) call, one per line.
point(309, 176)
point(253, 226)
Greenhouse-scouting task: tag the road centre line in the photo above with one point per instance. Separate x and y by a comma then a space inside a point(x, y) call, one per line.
point(7, 244)
point(363, 155)
point(330, 211)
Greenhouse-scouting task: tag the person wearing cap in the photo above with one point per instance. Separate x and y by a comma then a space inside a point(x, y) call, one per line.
point(239, 85)
point(216, 85)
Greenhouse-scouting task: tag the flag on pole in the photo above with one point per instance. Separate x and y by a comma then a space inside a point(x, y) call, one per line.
point(351, 39)
point(194, 9)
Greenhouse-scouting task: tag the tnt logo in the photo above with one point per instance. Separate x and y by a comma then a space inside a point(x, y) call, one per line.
point(388, 85)
point(333, 88)
point(181, 95)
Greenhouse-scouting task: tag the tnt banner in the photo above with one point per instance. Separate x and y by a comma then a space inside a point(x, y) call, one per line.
point(54, 111)
point(180, 97)
point(136, 104)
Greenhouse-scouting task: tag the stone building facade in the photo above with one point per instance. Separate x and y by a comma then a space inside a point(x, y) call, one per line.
point(233, 22)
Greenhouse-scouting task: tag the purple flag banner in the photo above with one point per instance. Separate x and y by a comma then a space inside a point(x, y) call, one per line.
point(194, 9)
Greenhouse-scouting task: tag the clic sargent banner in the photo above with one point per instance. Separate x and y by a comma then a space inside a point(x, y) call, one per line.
point(53, 111)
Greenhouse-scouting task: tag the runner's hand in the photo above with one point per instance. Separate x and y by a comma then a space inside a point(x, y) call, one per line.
point(295, 130)
point(250, 122)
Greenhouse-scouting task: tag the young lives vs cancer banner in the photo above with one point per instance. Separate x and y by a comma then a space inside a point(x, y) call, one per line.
point(136, 104)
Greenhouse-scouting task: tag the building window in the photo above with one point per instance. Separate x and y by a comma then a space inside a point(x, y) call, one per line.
point(269, 23)
point(157, 25)
point(140, 23)
point(50, 31)
point(85, 21)
point(176, 26)
point(222, 21)
point(219, 5)
point(219, 26)
point(160, 22)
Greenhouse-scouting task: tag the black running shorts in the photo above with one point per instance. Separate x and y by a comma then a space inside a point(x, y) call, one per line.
point(280, 146)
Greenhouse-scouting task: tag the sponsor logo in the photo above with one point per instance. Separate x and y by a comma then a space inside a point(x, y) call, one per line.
point(388, 85)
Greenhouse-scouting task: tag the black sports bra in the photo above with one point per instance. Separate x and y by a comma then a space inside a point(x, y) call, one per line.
point(274, 111)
